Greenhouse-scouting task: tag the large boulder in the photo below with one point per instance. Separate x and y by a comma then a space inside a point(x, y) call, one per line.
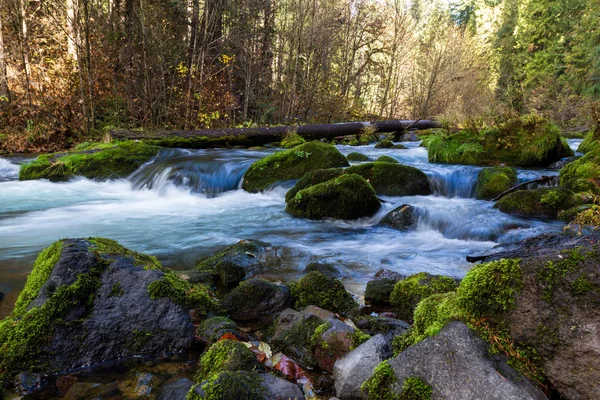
point(100, 162)
point(347, 197)
point(352, 370)
point(493, 181)
point(537, 203)
point(357, 157)
point(378, 291)
point(403, 218)
point(234, 263)
point(456, 365)
point(313, 178)
point(319, 290)
point(291, 164)
point(91, 301)
point(583, 174)
point(257, 300)
point(389, 179)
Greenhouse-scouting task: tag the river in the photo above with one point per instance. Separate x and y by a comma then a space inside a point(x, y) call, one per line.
point(184, 204)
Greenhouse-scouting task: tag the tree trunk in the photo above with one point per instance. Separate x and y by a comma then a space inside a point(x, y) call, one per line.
point(72, 31)
point(4, 92)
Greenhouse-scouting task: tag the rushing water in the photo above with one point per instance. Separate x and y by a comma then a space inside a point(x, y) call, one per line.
point(184, 204)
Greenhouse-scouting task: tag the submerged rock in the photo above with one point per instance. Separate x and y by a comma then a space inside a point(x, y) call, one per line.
point(90, 301)
point(176, 390)
point(493, 181)
point(456, 365)
point(291, 164)
point(257, 300)
point(104, 162)
point(537, 203)
point(403, 218)
point(347, 197)
point(389, 179)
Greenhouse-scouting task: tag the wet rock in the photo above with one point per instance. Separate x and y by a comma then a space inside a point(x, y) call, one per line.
point(225, 355)
point(291, 164)
point(393, 179)
point(357, 157)
point(90, 301)
point(495, 180)
point(230, 385)
point(28, 382)
point(388, 274)
point(410, 136)
point(214, 328)
point(332, 340)
point(328, 270)
point(2, 295)
point(387, 159)
point(313, 178)
point(384, 144)
point(176, 390)
point(378, 291)
point(537, 203)
point(64, 383)
point(293, 333)
point(456, 364)
point(408, 292)
point(382, 325)
point(403, 218)
point(564, 162)
point(582, 175)
point(352, 370)
point(319, 290)
point(234, 263)
point(144, 384)
point(257, 299)
point(347, 197)
point(280, 389)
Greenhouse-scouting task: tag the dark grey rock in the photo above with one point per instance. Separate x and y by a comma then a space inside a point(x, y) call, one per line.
point(352, 370)
point(378, 291)
point(380, 325)
point(280, 389)
point(257, 299)
point(176, 390)
point(456, 364)
point(214, 328)
point(326, 269)
point(403, 218)
point(387, 274)
point(564, 162)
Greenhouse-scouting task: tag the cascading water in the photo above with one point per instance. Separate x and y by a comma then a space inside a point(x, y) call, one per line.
point(185, 204)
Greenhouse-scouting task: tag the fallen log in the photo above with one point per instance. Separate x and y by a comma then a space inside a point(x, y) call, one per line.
point(543, 179)
point(207, 138)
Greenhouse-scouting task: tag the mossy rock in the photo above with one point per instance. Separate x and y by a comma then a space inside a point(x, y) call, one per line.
point(346, 197)
point(390, 179)
point(326, 269)
point(319, 290)
point(537, 203)
point(493, 181)
point(294, 333)
point(384, 144)
point(214, 328)
point(387, 159)
point(572, 213)
point(355, 156)
point(117, 161)
point(379, 291)
point(230, 385)
point(411, 290)
point(589, 144)
point(291, 164)
point(313, 178)
point(528, 141)
point(225, 355)
point(291, 140)
point(257, 299)
point(583, 175)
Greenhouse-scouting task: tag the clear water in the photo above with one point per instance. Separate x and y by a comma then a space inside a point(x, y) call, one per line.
point(185, 204)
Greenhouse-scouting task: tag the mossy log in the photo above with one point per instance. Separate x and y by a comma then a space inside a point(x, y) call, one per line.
point(208, 138)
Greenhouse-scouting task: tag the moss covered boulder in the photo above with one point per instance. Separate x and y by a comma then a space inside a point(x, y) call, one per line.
point(378, 291)
point(225, 355)
point(96, 162)
point(537, 203)
point(346, 197)
point(384, 144)
point(212, 329)
point(319, 290)
point(529, 141)
point(234, 263)
point(493, 181)
point(326, 269)
point(257, 300)
point(411, 290)
point(291, 164)
point(389, 179)
point(357, 157)
point(583, 175)
point(313, 178)
point(387, 159)
point(89, 301)
point(589, 144)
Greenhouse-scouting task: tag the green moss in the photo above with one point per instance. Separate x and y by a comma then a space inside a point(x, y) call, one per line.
point(318, 290)
point(526, 141)
point(117, 161)
point(582, 175)
point(410, 291)
point(299, 340)
point(415, 388)
point(109, 248)
point(377, 387)
point(384, 144)
point(389, 179)
point(589, 144)
point(140, 339)
point(345, 197)
point(315, 339)
point(231, 385)
point(225, 355)
point(313, 178)
point(537, 203)
point(116, 290)
point(493, 181)
point(387, 159)
point(181, 292)
point(359, 337)
point(291, 164)
point(551, 275)
point(582, 285)
point(214, 328)
point(379, 291)
point(357, 157)
point(225, 264)
point(291, 139)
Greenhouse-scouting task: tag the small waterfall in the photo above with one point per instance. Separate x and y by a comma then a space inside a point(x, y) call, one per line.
point(8, 170)
point(200, 171)
point(453, 181)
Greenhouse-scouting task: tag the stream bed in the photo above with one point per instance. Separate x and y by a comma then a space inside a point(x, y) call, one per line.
point(185, 204)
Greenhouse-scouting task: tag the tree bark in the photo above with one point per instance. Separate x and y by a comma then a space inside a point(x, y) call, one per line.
point(72, 32)
point(4, 91)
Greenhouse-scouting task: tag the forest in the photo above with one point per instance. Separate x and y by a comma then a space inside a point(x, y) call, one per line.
point(71, 69)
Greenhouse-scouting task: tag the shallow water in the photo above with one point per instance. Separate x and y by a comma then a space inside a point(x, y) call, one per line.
point(185, 204)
